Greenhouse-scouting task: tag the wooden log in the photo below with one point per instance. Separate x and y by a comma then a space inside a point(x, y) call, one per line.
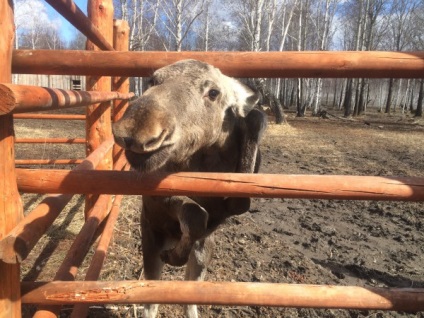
point(121, 35)
point(71, 12)
point(223, 184)
point(225, 294)
point(99, 122)
point(372, 64)
point(50, 140)
point(24, 98)
point(29, 162)
point(93, 272)
point(10, 201)
point(78, 250)
point(49, 116)
point(19, 242)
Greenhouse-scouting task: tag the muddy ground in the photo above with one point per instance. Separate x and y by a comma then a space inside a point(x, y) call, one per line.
point(360, 243)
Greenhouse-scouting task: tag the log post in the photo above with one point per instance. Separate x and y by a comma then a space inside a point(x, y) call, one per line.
point(121, 35)
point(10, 201)
point(98, 123)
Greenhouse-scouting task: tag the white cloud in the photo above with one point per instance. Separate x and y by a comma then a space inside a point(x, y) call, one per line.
point(29, 14)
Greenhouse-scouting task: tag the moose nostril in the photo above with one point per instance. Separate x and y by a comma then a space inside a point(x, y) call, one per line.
point(128, 141)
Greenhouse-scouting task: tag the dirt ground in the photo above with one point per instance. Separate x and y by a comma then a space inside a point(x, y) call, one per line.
point(360, 243)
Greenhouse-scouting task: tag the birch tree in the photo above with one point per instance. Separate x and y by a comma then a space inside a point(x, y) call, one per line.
point(178, 18)
point(327, 8)
point(400, 28)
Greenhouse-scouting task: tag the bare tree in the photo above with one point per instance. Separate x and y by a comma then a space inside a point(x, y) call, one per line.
point(400, 28)
point(178, 19)
point(328, 9)
point(34, 28)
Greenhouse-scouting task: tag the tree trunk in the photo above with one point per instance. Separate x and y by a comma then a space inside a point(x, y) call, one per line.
point(411, 97)
point(389, 96)
point(301, 107)
point(419, 111)
point(347, 104)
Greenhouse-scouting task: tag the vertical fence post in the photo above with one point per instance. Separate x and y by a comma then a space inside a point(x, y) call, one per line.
point(10, 202)
point(98, 123)
point(121, 35)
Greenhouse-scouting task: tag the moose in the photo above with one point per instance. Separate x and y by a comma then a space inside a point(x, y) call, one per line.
point(191, 118)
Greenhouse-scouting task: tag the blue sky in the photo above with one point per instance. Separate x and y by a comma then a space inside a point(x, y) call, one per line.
point(66, 29)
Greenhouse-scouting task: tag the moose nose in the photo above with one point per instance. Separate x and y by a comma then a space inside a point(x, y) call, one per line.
point(124, 142)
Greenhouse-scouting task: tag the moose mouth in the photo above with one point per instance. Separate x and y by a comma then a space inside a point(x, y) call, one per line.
point(148, 161)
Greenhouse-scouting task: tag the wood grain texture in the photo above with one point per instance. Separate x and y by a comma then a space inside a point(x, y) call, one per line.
point(10, 201)
point(99, 121)
point(324, 64)
point(24, 98)
point(223, 184)
point(224, 293)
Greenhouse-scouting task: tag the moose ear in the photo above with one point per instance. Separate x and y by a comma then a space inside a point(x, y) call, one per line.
point(245, 98)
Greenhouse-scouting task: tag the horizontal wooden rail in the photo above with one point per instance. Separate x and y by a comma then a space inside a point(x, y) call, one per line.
point(48, 161)
point(223, 293)
point(338, 64)
point(18, 243)
point(49, 116)
point(50, 140)
point(223, 184)
point(71, 12)
point(24, 98)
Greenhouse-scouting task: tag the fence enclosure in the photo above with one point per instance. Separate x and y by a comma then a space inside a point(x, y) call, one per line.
point(18, 235)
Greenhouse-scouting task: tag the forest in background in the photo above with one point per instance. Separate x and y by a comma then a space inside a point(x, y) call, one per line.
point(269, 25)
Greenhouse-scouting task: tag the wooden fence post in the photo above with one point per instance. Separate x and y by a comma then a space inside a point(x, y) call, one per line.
point(10, 202)
point(98, 123)
point(121, 35)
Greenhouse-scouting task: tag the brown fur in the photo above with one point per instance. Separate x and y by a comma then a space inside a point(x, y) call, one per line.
point(193, 118)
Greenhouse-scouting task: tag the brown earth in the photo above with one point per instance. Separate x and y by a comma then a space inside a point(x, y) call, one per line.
point(360, 243)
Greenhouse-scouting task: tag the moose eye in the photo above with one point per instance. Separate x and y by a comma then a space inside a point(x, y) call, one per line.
point(213, 94)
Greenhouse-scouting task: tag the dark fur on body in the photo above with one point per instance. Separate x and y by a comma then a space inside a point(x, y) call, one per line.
point(193, 118)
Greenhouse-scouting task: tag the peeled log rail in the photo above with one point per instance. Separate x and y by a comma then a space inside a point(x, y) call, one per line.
point(224, 293)
point(23, 98)
point(18, 243)
point(50, 140)
point(373, 64)
point(71, 12)
point(48, 161)
point(222, 184)
point(49, 116)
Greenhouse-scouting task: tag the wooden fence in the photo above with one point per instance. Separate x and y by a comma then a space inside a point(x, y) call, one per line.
point(18, 235)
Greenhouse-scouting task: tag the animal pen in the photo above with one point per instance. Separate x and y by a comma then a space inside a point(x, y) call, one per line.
point(104, 177)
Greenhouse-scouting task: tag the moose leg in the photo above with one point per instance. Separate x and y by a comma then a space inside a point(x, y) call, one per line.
point(152, 244)
point(193, 221)
point(197, 266)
